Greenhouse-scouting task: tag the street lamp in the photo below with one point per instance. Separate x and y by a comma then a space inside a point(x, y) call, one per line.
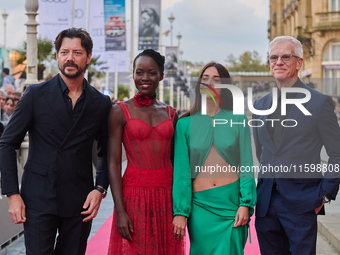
point(32, 45)
point(171, 19)
point(179, 62)
point(171, 96)
point(5, 15)
point(179, 36)
point(180, 52)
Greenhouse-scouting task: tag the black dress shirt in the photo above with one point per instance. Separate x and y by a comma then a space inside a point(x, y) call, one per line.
point(78, 107)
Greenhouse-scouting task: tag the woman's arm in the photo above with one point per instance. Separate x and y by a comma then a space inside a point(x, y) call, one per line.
point(116, 124)
point(182, 190)
point(247, 181)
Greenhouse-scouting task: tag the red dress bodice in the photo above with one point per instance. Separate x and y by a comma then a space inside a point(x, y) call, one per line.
point(147, 189)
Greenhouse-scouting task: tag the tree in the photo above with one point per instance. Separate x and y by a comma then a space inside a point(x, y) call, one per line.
point(45, 48)
point(92, 70)
point(167, 96)
point(247, 62)
point(122, 92)
point(44, 52)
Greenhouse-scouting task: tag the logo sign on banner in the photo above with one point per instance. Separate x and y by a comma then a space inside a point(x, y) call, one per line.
point(54, 16)
point(115, 25)
point(149, 18)
point(80, 13)
point(171, 63)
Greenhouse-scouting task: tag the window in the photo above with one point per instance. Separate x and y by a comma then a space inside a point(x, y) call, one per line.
point(334, 5)
point(331, 67)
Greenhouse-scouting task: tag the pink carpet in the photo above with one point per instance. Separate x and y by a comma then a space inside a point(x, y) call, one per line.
point(98, 244)
point(253, 247)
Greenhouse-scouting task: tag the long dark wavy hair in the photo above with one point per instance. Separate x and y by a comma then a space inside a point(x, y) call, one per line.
point(226, 96)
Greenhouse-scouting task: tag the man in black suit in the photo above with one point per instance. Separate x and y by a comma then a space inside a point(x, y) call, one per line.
point(63, 117)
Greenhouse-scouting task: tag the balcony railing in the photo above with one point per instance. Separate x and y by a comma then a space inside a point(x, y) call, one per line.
point(327, 20)
point(274, 18)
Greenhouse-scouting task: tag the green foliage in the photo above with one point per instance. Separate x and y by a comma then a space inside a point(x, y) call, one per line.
point(45, 48)
point(195, 74)
point(92, 71)
point(122, 92)
point(247, 62)
point(167, 97)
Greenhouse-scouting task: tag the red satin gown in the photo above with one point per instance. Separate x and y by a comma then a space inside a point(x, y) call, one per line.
point(147, 190)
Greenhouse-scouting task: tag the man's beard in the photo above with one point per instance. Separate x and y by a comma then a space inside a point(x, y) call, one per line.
point(73, 75)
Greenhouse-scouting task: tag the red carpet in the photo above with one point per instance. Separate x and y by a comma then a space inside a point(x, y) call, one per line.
point(98, 244)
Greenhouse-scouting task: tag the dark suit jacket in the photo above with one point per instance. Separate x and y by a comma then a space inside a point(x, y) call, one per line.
point(300, 145)
point(58, 174)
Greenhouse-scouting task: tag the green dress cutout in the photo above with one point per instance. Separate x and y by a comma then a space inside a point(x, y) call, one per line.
point(211, 213)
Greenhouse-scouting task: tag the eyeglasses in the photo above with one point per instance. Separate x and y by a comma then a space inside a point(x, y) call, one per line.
point(285, 58)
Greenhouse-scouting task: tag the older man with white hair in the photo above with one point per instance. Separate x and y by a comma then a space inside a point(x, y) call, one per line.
point(291, 195)
point(9, 89)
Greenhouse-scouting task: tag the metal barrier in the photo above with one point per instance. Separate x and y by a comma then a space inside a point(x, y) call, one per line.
point(8, 230)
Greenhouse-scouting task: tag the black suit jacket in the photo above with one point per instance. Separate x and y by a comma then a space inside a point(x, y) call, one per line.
point(58, 174)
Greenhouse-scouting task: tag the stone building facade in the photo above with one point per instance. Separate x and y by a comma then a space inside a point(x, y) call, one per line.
point(316, 23)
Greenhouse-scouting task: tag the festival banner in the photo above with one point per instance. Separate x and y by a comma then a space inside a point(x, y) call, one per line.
point(149, 21)
point(171, 63)
point(96, 28)
point(80, 13)
point(115, 25)
point(54, 16)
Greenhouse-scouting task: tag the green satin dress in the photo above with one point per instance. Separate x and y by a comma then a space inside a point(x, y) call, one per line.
point(211, 213)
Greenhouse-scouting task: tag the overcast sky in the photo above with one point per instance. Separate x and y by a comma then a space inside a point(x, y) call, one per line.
point(210, 29)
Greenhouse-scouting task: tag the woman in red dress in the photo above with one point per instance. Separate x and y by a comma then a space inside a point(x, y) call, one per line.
point(142, 220)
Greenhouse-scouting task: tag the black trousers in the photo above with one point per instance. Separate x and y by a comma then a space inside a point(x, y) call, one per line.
point(47, 234)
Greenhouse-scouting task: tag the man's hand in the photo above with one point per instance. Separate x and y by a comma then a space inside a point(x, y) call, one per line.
point(16, 209)
point(92, 205)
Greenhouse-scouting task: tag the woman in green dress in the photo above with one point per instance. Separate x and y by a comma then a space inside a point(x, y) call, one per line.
point(214, 190)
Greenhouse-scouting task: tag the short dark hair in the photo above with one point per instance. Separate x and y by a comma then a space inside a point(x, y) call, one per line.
point(159, 59)
point(71, 33)
point(6, 71)
point(9, 98)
